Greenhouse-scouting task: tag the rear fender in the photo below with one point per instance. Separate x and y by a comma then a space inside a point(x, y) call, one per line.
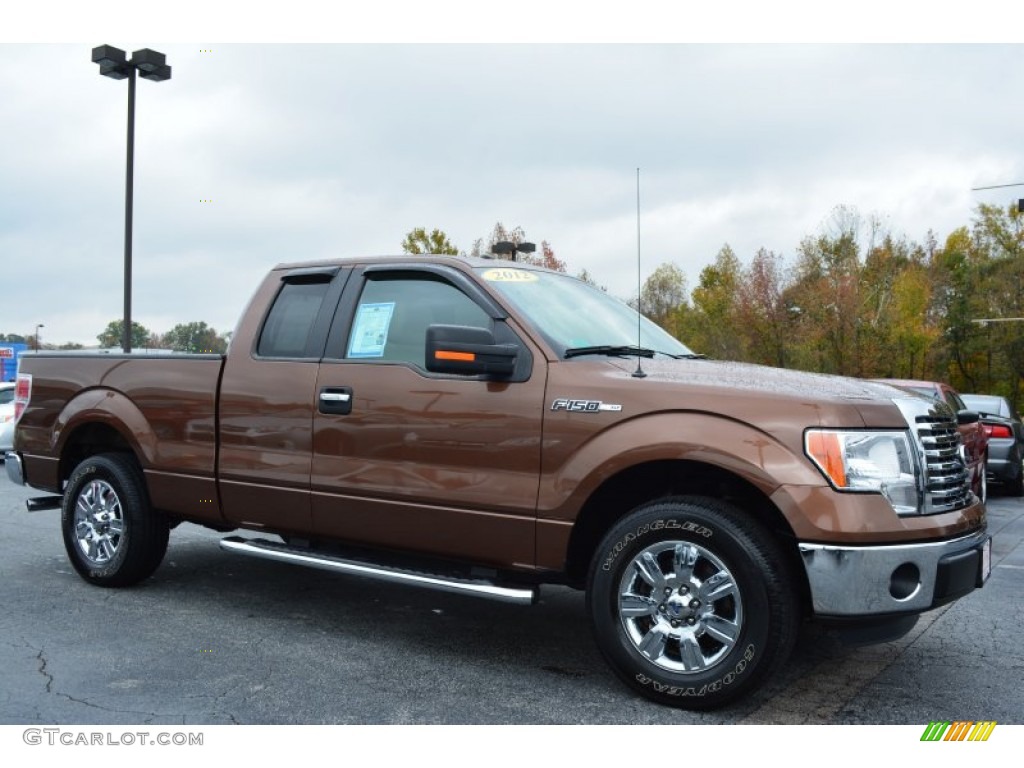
point(105, 406)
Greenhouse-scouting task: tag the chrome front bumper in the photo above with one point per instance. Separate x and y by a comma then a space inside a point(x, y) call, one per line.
point(907, 578)
point(15, 471)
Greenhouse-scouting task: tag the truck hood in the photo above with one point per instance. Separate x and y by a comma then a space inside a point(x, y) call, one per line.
point(762, 394)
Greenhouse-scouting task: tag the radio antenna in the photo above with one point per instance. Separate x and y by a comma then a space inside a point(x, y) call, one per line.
point(639, 372)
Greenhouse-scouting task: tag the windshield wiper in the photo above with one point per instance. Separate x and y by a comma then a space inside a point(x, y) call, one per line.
point(608, 349)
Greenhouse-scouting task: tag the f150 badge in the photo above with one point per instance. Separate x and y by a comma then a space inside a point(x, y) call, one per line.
point(582, 406)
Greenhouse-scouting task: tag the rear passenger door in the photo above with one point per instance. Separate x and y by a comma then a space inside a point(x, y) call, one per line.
point(421, 461)
point(267, 399)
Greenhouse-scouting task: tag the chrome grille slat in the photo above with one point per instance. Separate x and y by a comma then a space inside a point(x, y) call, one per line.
point(947, 481)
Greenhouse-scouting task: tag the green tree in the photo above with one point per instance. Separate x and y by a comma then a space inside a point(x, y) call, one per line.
point(661, 296)
point(764, 318)
point(713, 326)
point(419, 242)
point(111, 336)
point(195, 337)
point(13, 338)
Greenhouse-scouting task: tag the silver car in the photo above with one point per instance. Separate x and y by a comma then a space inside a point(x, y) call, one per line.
point(6, 417)
point(1005, 465)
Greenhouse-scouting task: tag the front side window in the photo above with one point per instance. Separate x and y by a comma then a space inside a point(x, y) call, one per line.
point(391, 319)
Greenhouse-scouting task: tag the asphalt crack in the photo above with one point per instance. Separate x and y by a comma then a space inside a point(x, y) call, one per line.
point(41, 658)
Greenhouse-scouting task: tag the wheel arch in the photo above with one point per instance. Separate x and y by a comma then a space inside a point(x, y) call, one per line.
point(662, 479)
point(101, 421)
point(90, 439)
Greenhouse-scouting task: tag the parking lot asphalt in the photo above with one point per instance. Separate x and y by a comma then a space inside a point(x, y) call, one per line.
point(213, 638)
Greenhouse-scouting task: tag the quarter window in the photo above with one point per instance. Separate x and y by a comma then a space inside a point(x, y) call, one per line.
point(287, 328)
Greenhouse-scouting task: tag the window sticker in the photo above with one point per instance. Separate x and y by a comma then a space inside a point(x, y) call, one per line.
point(509, 276)
point(370, 331)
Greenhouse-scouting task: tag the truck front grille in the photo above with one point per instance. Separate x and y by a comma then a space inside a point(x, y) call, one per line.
point(946, 479)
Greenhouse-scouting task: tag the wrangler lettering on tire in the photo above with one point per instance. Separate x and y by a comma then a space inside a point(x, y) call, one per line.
point(692, 602)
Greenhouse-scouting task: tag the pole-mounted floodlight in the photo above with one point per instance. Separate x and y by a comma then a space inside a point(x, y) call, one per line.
point(506, 248)
point(38, 326)
point(151, 65)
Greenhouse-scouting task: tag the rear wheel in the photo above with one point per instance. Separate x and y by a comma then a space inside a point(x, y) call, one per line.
point(1016, 486)
point(692, 603)
point(112, 535)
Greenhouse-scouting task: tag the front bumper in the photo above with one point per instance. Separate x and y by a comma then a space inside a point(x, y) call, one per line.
point(15, 471)
point(904, 578)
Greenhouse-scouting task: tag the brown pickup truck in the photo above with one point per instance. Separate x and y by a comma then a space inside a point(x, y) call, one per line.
point(486, 427)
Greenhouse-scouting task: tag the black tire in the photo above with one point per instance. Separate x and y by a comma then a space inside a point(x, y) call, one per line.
point(112, 535)
point(729, 619)
point(1016, 486)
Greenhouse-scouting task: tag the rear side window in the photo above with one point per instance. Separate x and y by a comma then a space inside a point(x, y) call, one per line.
point(288, 326)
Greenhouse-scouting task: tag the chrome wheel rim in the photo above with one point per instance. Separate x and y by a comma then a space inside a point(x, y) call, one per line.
point(99, 522)
point(680, 606)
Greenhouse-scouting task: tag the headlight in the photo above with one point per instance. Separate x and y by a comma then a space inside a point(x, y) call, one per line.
point(875, 462)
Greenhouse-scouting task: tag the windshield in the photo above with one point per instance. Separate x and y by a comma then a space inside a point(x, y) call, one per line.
point(573, 314)
point(986, 403)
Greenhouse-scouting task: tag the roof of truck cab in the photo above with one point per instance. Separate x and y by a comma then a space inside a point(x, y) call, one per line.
point(407, 258)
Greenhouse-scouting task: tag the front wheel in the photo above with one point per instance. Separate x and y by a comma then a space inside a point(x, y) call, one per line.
point(112, 535)
point(692, 602)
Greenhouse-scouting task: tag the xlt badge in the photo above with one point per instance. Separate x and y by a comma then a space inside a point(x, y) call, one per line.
point(582, 406)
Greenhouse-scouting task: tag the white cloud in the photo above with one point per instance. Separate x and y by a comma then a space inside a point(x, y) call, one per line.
point(319, 151)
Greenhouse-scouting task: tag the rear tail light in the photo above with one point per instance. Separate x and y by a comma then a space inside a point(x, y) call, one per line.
point(997, 430)
point(22, 394)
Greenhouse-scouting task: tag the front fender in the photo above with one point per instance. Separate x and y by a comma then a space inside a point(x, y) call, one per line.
point(758, 457)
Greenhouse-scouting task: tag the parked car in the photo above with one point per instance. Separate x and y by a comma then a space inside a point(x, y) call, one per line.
point(972, 431)
point(1005, 431)
point(6, 417)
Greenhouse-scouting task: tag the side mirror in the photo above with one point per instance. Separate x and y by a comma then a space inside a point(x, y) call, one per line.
point(468, 351)
point(967, 417)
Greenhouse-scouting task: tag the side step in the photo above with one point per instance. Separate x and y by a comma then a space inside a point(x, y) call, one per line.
point(39, 503)
point(272, 550)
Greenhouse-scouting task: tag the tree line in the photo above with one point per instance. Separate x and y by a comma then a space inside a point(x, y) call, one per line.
point(855, 300)
point(195, 337)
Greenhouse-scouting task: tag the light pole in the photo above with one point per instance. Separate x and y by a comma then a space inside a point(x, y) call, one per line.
point(38, 326)
point(114, 64)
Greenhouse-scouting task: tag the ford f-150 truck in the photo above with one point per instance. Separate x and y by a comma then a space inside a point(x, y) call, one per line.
point(487, 427)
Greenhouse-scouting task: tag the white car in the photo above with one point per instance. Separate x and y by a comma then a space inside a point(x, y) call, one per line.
point(6, 417)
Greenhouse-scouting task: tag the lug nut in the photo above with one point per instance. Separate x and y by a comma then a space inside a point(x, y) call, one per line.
point(683, 590)
point(675, 623)
point(691, 621)
point(695, 604)
point(661, 607)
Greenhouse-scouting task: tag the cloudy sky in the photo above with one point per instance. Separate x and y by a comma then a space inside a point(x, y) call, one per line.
point(308, 151)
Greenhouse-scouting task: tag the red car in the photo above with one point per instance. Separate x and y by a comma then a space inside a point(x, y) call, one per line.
point(972, 431)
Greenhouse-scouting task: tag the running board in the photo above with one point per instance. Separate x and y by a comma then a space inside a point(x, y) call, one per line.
point(272, 550)
point(39, 503)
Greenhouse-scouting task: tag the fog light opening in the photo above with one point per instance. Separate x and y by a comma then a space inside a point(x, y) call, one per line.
point(905, 582)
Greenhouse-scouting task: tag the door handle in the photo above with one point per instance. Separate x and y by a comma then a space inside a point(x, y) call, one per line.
point(335, 397)
point(335, 400)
